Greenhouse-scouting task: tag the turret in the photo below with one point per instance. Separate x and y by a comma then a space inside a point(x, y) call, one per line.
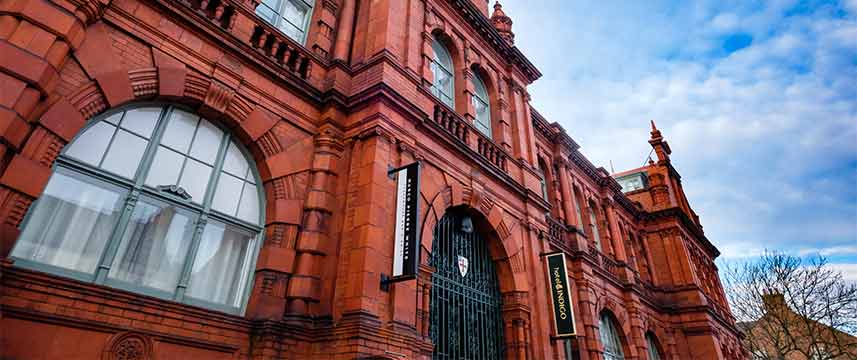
point(503, 23)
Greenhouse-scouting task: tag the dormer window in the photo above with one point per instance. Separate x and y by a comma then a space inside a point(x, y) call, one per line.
point(632, 182)
point(290, 16)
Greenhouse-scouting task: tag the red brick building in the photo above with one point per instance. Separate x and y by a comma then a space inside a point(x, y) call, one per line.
point(208, 179)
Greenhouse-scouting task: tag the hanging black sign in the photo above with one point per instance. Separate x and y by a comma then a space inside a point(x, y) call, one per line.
point(563, 313)
point(406, 251)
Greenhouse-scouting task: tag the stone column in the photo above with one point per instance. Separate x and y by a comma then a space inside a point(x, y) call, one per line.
point(305, 284)
point(344, 31)
point(567, 194)
point(615, 235)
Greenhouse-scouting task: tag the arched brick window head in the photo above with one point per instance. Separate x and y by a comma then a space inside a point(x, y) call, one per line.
point(154, 200)
point(609, 334)
point(481, 107)
point(443, 86)
point(652, 347)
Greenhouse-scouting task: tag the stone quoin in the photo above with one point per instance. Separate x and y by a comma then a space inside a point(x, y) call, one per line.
point(208, 179)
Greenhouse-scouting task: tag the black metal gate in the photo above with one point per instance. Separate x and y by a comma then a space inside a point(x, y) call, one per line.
point(465, 298)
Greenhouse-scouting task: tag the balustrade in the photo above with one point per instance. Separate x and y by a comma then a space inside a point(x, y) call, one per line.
point(461, 129)
point(276, 46)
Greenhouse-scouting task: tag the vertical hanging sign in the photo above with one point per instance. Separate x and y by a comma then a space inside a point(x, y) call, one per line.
point(406, 251)
point(563, 312)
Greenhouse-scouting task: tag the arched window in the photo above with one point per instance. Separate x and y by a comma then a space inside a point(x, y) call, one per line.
point(444, 80)
point(593, 225)
point(652, 347)
point(290, 16)
point(154, 200)
point(481, 106)
point(609, 334)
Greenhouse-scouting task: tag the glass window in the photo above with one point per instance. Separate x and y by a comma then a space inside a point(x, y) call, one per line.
point(593, 225)
point(444, 81)
point(154, 200)
point(609, 335)
point(652, 347)
point(290, 16)
point(481, 107)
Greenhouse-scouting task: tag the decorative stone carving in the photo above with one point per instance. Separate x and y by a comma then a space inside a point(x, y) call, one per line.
point(128, 346)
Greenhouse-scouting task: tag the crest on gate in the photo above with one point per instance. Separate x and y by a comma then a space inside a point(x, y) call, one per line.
point(463, 264)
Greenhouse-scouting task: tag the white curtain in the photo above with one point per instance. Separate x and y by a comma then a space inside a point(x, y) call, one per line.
point(221, 266)
point(70, 224)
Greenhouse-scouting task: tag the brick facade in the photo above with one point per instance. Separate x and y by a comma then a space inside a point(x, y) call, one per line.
point(324, 121)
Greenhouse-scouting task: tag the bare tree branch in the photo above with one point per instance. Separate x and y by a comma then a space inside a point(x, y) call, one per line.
point(791, 308)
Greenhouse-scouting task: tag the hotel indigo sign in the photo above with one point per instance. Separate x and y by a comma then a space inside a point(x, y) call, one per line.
point(563, 312)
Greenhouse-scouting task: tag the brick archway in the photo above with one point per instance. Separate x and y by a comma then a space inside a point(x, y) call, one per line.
point(505, 248)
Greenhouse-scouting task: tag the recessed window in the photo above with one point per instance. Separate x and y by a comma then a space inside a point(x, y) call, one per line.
point(481, 107)
point(593, 226)
point(652, 347)
point(443, 86)
point(290, 16)
point(155, 200)
point(609, 335)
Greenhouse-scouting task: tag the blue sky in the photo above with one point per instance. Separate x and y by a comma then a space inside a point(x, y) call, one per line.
point(758, 100)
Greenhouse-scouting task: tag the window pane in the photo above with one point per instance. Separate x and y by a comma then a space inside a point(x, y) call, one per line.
point(266, 12)
point(221, 266)
point(207, 142)
point(179, 130)
point(235, 163)
point(195, 179)
point(70, 224)
point(166, 167)
point(228, 192)
point(114, 119)
point(141, 120)
point(295, 12)
point(125, 154)
point(89, 147)
point(154, 247)
point(291, 30)
point(249, 209)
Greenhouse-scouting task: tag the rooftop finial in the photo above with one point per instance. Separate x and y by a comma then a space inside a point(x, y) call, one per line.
point(502, 23)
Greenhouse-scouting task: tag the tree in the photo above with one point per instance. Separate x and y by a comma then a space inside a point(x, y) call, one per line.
point(793, 308)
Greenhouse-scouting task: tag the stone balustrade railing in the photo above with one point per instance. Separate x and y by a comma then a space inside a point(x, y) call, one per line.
point(270, 42)
point(282, 49)
point(462, 130)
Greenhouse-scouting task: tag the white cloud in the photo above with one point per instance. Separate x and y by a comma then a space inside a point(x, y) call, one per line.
point(849, 271)
point(765, 137)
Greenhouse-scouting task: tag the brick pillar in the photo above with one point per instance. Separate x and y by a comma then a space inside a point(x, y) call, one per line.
point(615, 234)
point(36, 38)
point(567, 194)
point(344, 31)
point(305, 284)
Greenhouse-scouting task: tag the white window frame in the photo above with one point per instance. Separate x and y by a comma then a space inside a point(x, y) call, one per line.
point(278, 19)
point(442, 62)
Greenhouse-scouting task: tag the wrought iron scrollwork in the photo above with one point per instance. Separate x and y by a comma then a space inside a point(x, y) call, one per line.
point(465, 313)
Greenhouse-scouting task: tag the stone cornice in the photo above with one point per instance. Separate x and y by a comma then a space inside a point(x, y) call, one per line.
point(486, 30)
point(686, 223)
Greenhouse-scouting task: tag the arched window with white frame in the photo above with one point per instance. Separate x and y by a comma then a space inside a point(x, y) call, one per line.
point(608, 332)
point(155, 200)
point(481, 106)
point(443, 85)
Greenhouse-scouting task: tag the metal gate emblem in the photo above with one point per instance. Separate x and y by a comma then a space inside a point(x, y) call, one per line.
point(463, 263)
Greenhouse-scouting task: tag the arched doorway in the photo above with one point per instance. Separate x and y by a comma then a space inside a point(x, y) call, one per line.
point(465, 314)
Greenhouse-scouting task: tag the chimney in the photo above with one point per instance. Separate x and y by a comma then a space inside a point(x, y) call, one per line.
point(774, 302)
